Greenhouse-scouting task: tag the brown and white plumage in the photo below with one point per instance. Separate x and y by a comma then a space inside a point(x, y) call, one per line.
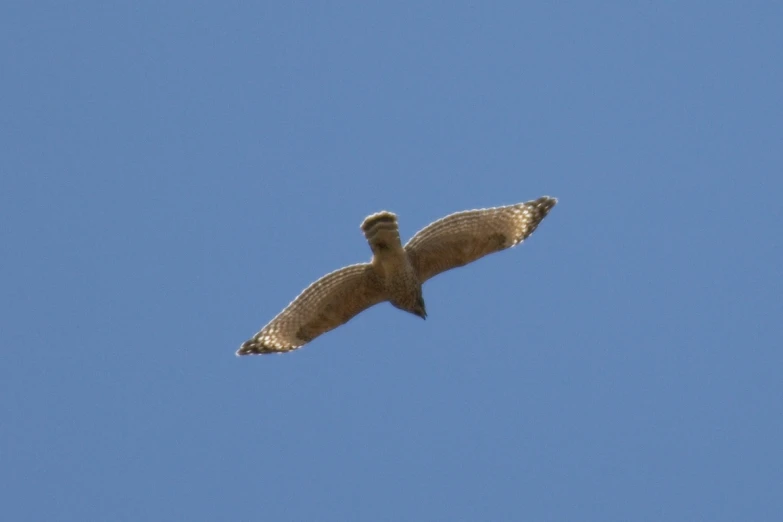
point(464, 237)
point(396, 273)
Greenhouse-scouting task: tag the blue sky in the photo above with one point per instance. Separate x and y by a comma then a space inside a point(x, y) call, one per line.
point(173, 174)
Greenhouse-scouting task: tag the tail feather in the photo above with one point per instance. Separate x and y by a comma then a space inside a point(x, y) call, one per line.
point(382, 232)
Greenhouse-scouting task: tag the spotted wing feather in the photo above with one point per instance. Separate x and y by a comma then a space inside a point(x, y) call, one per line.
point(461, 238)
point(324, 305)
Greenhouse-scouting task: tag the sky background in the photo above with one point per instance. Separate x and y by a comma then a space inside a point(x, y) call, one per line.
point(173, 173)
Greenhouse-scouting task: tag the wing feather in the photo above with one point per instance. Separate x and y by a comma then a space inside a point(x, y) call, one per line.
point(463, 237)
point(324, 305)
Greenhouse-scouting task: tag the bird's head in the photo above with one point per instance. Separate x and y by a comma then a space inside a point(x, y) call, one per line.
point(419, 308)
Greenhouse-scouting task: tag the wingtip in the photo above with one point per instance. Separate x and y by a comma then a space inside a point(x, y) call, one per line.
point(249, 347)
point(258, 347)
point(545, 204)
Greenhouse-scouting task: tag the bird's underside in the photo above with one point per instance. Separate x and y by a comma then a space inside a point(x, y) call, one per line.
point(396, 272)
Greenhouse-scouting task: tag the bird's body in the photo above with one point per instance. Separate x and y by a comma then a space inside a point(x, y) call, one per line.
point(396, 272)
point(391, 264)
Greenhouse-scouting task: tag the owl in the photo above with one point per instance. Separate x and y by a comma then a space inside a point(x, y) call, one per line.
point(396, 272)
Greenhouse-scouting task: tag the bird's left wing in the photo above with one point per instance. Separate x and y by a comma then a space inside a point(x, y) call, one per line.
point(324, 305)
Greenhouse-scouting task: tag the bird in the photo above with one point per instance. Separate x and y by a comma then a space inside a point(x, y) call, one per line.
point(396, 272)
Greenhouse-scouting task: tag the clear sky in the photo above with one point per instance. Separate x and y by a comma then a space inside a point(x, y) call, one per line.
point(173, 173)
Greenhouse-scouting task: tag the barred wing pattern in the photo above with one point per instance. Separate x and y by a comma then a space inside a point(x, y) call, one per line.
point(463, 237)
point(324, 305)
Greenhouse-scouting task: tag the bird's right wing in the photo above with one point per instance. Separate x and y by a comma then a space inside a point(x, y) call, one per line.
point(324, 305)
point(461, 238)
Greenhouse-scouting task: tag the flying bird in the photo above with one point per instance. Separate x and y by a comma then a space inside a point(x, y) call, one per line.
point(396, 272)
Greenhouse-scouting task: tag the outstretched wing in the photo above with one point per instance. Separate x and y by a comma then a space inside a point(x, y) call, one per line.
point(461, 238)
point(324, 305)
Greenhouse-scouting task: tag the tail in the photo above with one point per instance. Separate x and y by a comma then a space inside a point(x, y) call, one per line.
point(381, 232)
